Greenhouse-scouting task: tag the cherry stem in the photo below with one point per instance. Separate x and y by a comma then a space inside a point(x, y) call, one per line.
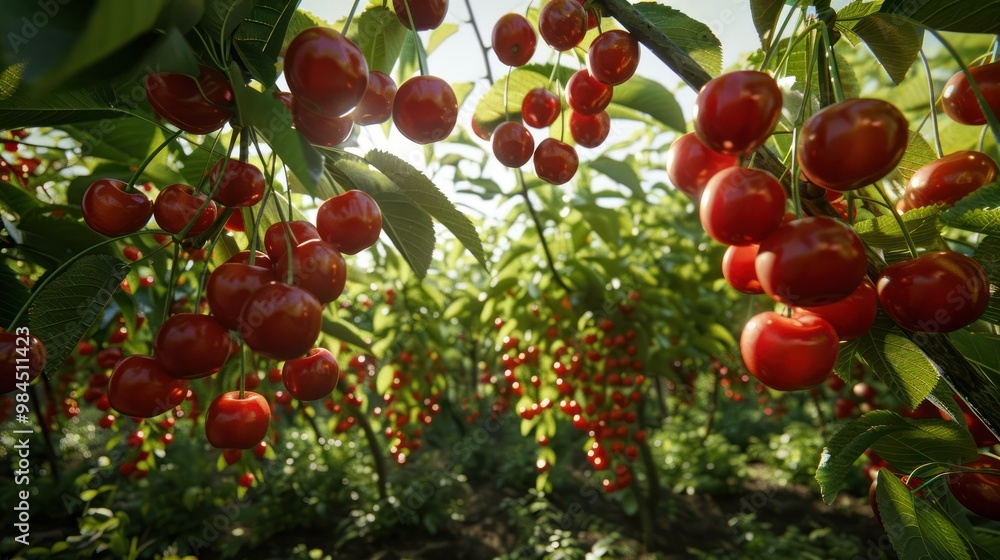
point(933, 98)
point(541, 231)
point(838, 89)
point(555, 68)
point(506, 91)
point(775, 38)
point(899, 220)
point(347, 25)
point(243, 372)
point(208, 251)
point(149, 159)
point(421, 53)
point(796, 195)
point(482, 45)
point(172, 282)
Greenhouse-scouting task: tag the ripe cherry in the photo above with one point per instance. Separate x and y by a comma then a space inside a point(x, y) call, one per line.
point(280, 321)
point(189, 346)
point(246, 480)
point(853, 316)
point(562, 24)
point(326, 72)
point(540, 108)
point(980, 432)
point(613, 57)
point(139, 387)
point(230, 285)
point(735, 113)
point(376, 105)
point(738, 269)
point(948, 180)
point(425, 109)
point(276, 242)
point(690, 164)
point(789, 354)
point(111, 211)
point(852, 144)
point(960, 102)
point(177, 206)
point(514, 40)
point(235, 423)
point(590, 131)
point(13, 354)
point(426, 14)
point(811, 261)
point(937, 292)
point(555, 162)
point(979, 492)
point(321, 130)
point(316, 267)
point(742, 206)
point(587, 96)
point(513, 145)
point(311, 377)
point(241, 184)
point(243, 257)
point(197, 106)
point(350, 222)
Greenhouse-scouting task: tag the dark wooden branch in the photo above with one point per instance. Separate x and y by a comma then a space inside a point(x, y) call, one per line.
point(964, 378)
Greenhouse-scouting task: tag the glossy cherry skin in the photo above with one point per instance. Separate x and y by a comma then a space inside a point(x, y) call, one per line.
point(980, 433)
point(31, 348)
point(589, 131)
point(742, 206)
point(690, 164)
point(351, 222)
point(139, 387)
point(587, 96)
point(738, 269)
point(190, 346)
point(259, 259)
point(735, 113)
point(811, 261)
point(514, 39)
point(789, 354)
point(425, 109)
point(852, 144)
point(240, 184)
point(853, 316)
point(231, 285)
point(513, 145)
point(426, 14)
point(937, 292)
point(540, 108)
point(311, 377)
point(376, 105)
point(613, 57)
point(960, 102)
point(320, 130)
point(180, 100)
point(235, 423)
point(111, 211)
point(281, 322)
point(275, 242)
point(316, 267)
point(177, 206)
point(326, 72)
point(948, 180)
point(555, 162)
point(979, 492)
point(562, 24)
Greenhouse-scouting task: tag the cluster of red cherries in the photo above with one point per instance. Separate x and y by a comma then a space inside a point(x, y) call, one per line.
point(612, 59)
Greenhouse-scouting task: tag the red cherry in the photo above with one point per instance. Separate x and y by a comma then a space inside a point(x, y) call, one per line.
point(514, 39)
point(589, 131)
point(555, 162)
point(316, 267)
point(241, 184)
point(311, 377)
point(111, 211)
point(243, 257)
point(246, 480)
point(325, 71)
point(276, 242)
point(789, 354)
point(235, 223)
point(960, 102)
point(853, 316)
point(425, 109)
point(12, 355)
point(613, 57)
point(738, 269)
point(235, 423)
point(585, 95)
point(197, 106)
point(513, 145)
point(562, 24)
point(540, 108)
point(189, 346)
point(742, 206)
point(139, 387)
point(426, 14)
point(948, 180)
point(321, 130)
point(376, 105)
point(350, 222)
point(978, 491)
point(280, 321)
point(232, 456)
point(177, 206)
point(260, 450)
point(736, 112)
point(980, 433)
point(690, 164)
point(230, 285)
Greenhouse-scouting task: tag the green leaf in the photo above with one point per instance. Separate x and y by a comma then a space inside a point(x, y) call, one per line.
point(652, 98)
point(620, 172)
point(59, 239)
point(694, 37)
point(15, 295)
point(916, 530)
point(19, 109)
point(70, 304)
point(302, 20)
point(344, 332)
point(894, 43)
point(848, 444)
point(127, 141)
point(988, 255)
point(765, 17)
point(260, 36)
point(421, 190)
point(927, 441)
point(898, 362)
point(978, 212)
point(380, 36)
point(16, 200)
point(918, 154)
point(223, 17)
point(884, 233)
point(965, 16)
point(439, 35)
point(851, 14)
